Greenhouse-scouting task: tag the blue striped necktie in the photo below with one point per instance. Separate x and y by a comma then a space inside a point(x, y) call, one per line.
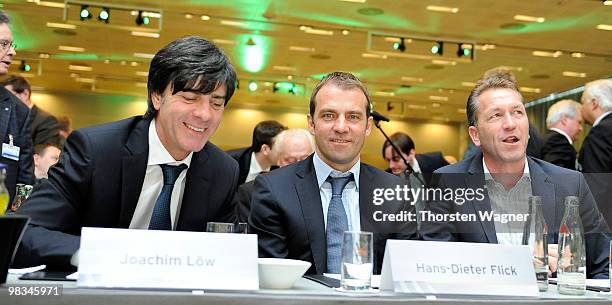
point(160, 219)
point(337, 223)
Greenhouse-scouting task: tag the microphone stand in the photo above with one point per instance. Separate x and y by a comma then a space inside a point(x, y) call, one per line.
point(409, 170)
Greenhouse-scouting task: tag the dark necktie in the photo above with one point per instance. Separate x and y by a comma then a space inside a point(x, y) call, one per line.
point(337, 223)
point(160, 219)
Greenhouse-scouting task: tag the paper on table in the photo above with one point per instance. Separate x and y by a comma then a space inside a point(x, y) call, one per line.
point(27, 270)
point(603, 283)
point(375, 278)
point(73, 276)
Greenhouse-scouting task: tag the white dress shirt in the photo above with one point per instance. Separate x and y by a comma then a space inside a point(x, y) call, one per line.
point(255, 169)
point(601, 117)
point(513, 201)
point(154, 181)
point(350, 194)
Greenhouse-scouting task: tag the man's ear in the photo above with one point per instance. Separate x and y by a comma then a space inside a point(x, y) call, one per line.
point(265, 149)
point(473, 132)
point(311, 126)
point(156, 99)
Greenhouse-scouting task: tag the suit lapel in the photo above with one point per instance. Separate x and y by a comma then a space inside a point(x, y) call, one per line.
point(133, 169)
point(474, 180)
point(193, 213)
point(309, 197)
point(541, 186)
point(5, 114)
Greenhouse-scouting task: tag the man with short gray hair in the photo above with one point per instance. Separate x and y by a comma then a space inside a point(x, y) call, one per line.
point(596, 152)
point(564, 122)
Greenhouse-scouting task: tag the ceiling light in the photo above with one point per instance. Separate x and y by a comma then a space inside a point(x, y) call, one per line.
point(134, 64)
point(146, 14)
point(530, 90)
point(438, 98)
point(554, 54)
point(283, 68)
point(304, 27)
point(104, 15)
point(142, 20)
point(84, 13)
point(232, 23)
point(468, 84)
point(443, 62)
point(400, 46)
point(85, 80)
point(464, 50)
point(443, 9)
point(51, 4)
point(71, 49)
point(438, 48)
point(574, 74)
point(301, 49)
point(142, 73)
point(61, 25)
point(485, 47)
point(145, 34)
point(319, 32)
point(205, 17)
point(123, 63)
point(73, 75)
point(25, 67)
point(289, 77)
point(529, 18)
point(252, 86)
point(608, 2)
point(80, 68)
point(225, 41)
point(44, 55)
point(511, 68)
point(416, 107)
point(106, 61)
point(384, 93)
point(188, 16)
point(372, 55)
point(577, 54)
point(354, 1)
point(435, 105)
point(144, 55)
point(345, 32)
point(605, 27)
point(412, 79)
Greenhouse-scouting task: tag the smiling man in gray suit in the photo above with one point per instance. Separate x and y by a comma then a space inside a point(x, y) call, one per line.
point(499, 126)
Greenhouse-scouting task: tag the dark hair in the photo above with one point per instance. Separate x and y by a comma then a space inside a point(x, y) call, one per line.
point(264, 133)
point(401, 140)
point(39, 149)
point(64, 122)
point(344, 81)
point(494, 78)
point(19, 83)
point(190, 63)
point(4, 18)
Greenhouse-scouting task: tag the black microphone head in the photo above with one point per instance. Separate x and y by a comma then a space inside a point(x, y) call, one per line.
point(378, 117)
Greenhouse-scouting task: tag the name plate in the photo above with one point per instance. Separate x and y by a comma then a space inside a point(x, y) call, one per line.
point(121, 258)
point(454, 268)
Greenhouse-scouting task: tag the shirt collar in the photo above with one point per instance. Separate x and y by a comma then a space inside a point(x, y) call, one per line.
point(255, 167)
point(488, 173)
point(563, 133)
point(158, 154)
point(415, 165)
point(601, 117)
point(323, 171)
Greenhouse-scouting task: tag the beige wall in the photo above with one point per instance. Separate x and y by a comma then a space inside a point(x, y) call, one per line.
point(237, 125)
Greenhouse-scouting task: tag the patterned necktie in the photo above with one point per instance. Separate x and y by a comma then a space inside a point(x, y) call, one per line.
point(160, 219)
point(337, 223)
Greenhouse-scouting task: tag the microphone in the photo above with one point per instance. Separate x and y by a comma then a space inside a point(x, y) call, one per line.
point(378, 117)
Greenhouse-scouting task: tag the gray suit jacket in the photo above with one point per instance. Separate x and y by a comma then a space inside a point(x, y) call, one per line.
point(551, 182)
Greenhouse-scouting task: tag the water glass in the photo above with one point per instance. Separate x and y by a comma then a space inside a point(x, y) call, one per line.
point(220, 227)
point(357, 258)
point(242, 227)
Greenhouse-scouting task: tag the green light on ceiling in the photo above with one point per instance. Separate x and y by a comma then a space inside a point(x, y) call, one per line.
point(254, 50)
point(284, 86)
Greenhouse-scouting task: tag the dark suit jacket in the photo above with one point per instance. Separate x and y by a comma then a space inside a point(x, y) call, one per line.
point(595, 159)
point(558, 151)
point(551, 182)
point(596, 151)
point(243, 157)
point(429, 163)
point(287, 215)
point(98, 181)
point(45, 127)
point(242, 201)
point(14, 118)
